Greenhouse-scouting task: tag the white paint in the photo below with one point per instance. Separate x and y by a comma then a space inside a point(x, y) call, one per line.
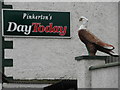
point(82, 27)
point(105, 78)
point(84, 23)
point(98, 78)
point(38, 58)
point(83, 73)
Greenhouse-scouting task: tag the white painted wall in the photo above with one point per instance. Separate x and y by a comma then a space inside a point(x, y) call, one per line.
point(84, 74)
point(105, 78)
point(36, 58)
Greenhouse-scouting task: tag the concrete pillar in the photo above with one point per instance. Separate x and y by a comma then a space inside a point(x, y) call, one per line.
point(83, 73)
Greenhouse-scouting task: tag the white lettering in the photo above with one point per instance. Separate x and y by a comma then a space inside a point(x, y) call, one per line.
point(24, 15)
point(20, 28)
point(27, 31)
point(11, 25)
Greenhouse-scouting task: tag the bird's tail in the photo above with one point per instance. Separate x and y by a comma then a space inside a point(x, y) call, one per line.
point(108, 51)
point(106, 46)
point(113, 54)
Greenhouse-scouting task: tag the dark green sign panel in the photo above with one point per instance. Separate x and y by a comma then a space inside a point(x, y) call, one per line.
point(36, 23)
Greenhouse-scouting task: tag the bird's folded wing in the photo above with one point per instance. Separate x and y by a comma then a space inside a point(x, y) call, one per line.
point(88, 36)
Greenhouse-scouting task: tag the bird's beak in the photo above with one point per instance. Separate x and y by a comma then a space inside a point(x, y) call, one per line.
point(80, 19)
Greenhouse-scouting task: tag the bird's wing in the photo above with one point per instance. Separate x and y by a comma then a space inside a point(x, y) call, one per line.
point(89, 37)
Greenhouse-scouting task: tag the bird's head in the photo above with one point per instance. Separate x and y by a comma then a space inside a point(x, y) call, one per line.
point(84, 22)
point(82, 18)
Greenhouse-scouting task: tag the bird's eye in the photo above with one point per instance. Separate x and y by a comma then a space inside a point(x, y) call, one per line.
point(80, 19)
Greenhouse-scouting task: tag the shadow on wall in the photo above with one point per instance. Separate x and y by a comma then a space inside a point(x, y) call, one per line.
point(63, 85)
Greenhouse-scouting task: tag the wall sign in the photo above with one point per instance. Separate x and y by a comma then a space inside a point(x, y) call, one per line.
point(22, 23)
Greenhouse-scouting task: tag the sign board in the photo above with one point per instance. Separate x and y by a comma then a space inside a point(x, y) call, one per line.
point(22, 23)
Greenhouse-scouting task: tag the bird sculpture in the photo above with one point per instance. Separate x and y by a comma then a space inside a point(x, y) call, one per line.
point(91, 42)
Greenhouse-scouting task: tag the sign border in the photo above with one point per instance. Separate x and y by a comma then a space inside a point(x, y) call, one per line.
point(47, 37)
